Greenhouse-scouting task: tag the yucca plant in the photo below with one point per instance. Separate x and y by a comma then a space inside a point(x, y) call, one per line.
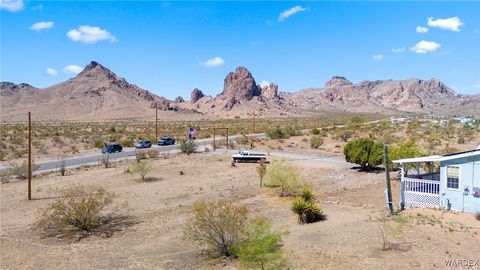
point(306, 193)
point(307, 211)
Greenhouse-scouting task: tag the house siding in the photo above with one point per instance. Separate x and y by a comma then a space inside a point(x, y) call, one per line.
point(469, 178)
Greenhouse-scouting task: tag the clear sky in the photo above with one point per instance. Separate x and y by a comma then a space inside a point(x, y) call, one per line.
point(170, 48)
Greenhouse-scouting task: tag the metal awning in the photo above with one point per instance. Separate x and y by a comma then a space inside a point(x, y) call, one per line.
point(434, 158)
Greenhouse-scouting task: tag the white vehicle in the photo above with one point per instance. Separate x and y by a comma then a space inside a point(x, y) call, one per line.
point(246, 156)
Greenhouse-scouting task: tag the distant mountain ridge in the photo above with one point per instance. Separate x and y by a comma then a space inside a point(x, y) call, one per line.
point(97, 93)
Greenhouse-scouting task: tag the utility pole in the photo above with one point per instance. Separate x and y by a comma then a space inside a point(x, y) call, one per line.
point(156, 122)
point(387, 178)
point(29, 156)
point(254, 122)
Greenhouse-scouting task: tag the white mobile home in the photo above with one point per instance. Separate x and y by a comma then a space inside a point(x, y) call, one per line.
point(456, 185)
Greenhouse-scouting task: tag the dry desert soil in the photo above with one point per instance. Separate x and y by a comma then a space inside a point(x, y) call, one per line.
point(357, 233)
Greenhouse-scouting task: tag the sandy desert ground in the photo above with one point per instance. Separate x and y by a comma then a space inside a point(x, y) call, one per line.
point(350, 238)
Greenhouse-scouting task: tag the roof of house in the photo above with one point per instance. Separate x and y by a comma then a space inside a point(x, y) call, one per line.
point(444, 157)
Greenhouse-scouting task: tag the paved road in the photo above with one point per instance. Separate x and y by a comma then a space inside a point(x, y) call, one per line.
point(130, 152)
point(126, 153)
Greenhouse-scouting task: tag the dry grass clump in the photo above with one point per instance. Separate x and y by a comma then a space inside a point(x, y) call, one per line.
point(283, 176)
point(82, 211)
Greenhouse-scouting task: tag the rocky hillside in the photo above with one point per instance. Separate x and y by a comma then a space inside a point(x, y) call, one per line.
point(98, 94)
point(94, 94)
point(389, 96)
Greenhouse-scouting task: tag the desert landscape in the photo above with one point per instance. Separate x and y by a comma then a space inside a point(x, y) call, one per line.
point(232, 135)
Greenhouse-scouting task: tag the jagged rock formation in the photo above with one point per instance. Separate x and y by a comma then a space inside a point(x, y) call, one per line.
point(179, 99)
point(239, 86)
point(270, 91)
point(196, 95)
point(99, 94)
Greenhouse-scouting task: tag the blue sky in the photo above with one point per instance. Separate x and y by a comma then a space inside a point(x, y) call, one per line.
point(170, 48)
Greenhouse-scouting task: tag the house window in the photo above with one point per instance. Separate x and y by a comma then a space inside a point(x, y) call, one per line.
point(453, 177)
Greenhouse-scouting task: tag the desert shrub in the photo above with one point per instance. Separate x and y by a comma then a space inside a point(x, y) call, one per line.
point(306, 193)
point(284, 176)
point(105, 160)
point(261, 247)
point(291, 132)
point(307, 211)
point(6, 175)
point(315, 131)
point(20, 170)
point(79, 209)
point(218, 225)
point(261, 170)
point(277, 134)
point(126, 143)
point(344, 135)
point(98, 143)
point(354, 122)
point(74, 149)
point(242, 140)
point(316, 141)
point(461, 139)
point(407, 149)
point(188, 146)
point(63, 167)
point(142, 168)
point(153, 153)
point(365, 152)
point(140, 155)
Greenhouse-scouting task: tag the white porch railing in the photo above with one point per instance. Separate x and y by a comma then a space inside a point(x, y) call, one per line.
point(420, 192)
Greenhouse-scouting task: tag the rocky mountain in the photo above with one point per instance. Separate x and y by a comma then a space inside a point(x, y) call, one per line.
point(98, 94)
point(389, 96)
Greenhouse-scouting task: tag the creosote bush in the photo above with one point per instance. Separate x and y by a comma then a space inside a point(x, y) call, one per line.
point(20, 170)
point(142, 168)
point(227, 230)
point(261, 247)
point(316, 141)
point(188, 146)
point(153, 153)
point(79, 210)
point(284, 176)
point(218, 225)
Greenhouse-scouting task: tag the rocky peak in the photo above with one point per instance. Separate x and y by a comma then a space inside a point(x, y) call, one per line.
point(239, 85)
point(179, 99)
point(196, 95)
point(337, 81)
point(270, 91)
point(95, 69)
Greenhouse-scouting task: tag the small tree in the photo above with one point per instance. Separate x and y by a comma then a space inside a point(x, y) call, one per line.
point(218, 225)
point(188, 146)
point(315, 131)
point(315, 142)
point(364, 152)
point(284, 176)
point(261, 170)
point(261, 248)
point(141, 168)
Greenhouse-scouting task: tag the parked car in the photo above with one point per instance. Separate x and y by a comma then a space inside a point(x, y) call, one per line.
point(166, 141)
point(143, 144)
point(112, 148)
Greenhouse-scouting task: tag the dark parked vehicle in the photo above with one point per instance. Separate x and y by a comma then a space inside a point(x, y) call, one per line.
point(166, 141)
point(112, 148)
point(143, 144)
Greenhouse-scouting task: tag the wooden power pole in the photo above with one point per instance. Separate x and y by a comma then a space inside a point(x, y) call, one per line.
point(387, 178)
point(156, 123)
point(29, 156)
